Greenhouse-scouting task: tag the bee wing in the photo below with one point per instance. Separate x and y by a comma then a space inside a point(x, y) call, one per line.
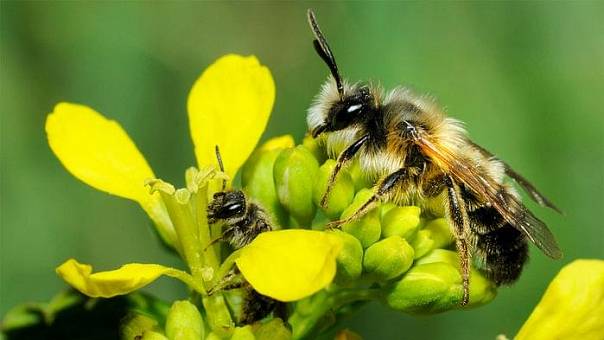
point(523, 182)
point(510, 208)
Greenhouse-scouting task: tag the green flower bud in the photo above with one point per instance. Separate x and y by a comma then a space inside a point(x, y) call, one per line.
point(385, 207)
point(440, 232)
point(184, 322)
point(349, 259)
point(422, 243)
point(257, 180)
point(137, 325)
point(341, 194)
point(213, 336)
point(315, 149)
point(434, 285)
point(153, 336)
point(243, 333)
point(295, 173)
point(401, 221)
point(388, 258)
point(435, 234)
point(482, 290)
point(359, 178)
point(367, 229)
point(274, 329)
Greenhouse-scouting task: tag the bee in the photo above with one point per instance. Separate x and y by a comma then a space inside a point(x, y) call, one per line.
point(417, 153)
point(242, 220)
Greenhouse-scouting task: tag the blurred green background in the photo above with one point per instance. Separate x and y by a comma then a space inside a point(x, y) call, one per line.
point(527, 78)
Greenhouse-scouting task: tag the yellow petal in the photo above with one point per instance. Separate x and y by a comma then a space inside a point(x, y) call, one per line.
point(229, 106)
point(572, 306)
point(100, 153)
point(124, 280)
point(279, 142)
point(289, 265)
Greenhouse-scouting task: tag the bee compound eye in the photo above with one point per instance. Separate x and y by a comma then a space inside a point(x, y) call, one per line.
point(231, 209)
point(354, 108)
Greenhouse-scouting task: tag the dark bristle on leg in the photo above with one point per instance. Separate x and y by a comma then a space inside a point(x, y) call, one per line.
point(344, 157)
point(458, 216)
point(385, 187)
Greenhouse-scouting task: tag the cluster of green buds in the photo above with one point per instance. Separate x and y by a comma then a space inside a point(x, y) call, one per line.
point(399, 255)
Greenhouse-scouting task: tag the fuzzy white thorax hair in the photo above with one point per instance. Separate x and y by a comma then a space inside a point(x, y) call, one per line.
point(327, 97)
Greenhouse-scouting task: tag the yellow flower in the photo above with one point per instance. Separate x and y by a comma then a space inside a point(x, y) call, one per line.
point(229, 106)
point(292, 256)
point(124, 280)
point(572, 306)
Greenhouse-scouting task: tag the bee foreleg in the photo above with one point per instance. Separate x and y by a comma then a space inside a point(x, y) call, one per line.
point(458, 216)
point(232, 280)
point(344, 157)
point(384, 188)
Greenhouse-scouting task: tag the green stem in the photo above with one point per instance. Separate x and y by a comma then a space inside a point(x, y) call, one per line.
point(180, 214)
point(312, 314)
point(201, 206)
point(218, 315)
point(226, 266)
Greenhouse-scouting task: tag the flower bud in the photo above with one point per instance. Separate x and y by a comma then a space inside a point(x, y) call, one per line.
point(422, 243)
point(257, 177)
point(295, 173)
point(350, 258)
point(388, 258)
point(367, 229)
point(435, 234)
point(315, 149)
point(153, 336)
point(401, 221)
point(434, 285)
point(184, 322)
point(359, 178)
point(213, 336)
point(243, 333)
point(274, 329)
point(440, 232)
point(137, 325)
point(341, 194)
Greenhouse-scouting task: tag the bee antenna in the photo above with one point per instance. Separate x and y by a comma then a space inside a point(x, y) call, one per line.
point(324, 51)
point(219, 158)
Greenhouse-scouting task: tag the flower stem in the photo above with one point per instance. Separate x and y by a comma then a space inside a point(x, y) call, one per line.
point(185, 227)
point(316, 312)
point(200, 205)
point(218, 315)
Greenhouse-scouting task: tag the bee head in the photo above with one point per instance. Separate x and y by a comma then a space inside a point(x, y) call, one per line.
point(339, 105)
point(226, 204)
point(332, 113)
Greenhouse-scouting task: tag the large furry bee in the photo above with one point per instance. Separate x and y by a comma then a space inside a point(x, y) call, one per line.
point(416, 153)
point(242, 221)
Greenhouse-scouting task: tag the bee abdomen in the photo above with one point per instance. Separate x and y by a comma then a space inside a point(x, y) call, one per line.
point(256, 306)
point(500, 249)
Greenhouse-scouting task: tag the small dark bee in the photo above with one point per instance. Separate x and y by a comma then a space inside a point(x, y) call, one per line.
point(417, 154)
point(243, 221)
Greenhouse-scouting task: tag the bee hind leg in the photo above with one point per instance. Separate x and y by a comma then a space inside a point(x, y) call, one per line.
point(384, 188)
point(343, 158)
point(458, 217)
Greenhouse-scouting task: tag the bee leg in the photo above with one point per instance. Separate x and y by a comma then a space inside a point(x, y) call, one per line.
point(344, 157)
point(458, 216)
point(384, 188)
point(230, 281)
